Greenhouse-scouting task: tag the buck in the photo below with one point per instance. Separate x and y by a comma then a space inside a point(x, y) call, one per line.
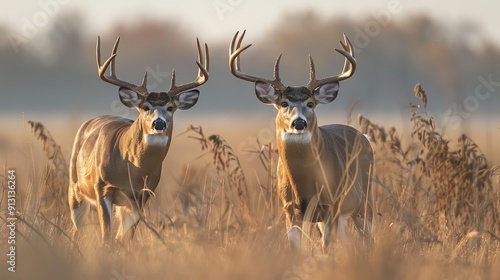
point(322, 169)
point(114, 159)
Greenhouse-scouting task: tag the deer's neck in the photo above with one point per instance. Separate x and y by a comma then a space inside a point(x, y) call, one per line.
point(142, 150)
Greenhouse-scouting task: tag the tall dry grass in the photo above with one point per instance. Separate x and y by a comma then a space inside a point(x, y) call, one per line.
point(437, 216)
point(447, 192)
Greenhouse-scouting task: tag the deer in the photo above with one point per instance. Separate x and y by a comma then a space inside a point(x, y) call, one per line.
point(116, 162)
point(323, 172)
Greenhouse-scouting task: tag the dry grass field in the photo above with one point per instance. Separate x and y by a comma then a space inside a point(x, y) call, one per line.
point(215, 214)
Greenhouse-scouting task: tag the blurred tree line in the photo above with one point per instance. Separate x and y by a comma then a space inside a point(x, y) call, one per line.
point(55, 70)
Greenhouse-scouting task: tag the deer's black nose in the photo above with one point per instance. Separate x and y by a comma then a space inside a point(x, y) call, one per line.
point(159, 124)
point(299, 124)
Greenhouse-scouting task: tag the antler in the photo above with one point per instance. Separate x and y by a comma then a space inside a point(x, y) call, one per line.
point(347, 72)
point(235, 50)
point(202, 73)
point(112, 79)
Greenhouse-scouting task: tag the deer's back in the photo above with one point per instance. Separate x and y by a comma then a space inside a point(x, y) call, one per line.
point(342, 137)
point(342, 143)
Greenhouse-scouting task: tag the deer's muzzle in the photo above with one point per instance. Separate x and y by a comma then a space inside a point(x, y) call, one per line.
point(159, 125)
point(299, 124)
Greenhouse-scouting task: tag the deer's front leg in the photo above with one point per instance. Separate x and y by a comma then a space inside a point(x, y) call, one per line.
point(127, 210)
point(292, 210)
point(325, 227)
point(293, 225)
point(127, 219)
point(104, 210)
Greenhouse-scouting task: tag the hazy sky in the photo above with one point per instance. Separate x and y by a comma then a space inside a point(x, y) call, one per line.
point(221, 18)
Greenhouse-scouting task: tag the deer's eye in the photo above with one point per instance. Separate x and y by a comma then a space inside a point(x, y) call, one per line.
point(310, 104)
point(284, 104)
point(145, 108)
point(170, 108)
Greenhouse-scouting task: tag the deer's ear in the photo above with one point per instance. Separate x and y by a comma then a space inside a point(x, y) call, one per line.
point(129, 97)
point(187, 99)
point(327, 93)
point(266, 93)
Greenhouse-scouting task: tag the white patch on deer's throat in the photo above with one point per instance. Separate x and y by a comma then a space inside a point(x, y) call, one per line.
point(296, 136)
point(157, 140)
